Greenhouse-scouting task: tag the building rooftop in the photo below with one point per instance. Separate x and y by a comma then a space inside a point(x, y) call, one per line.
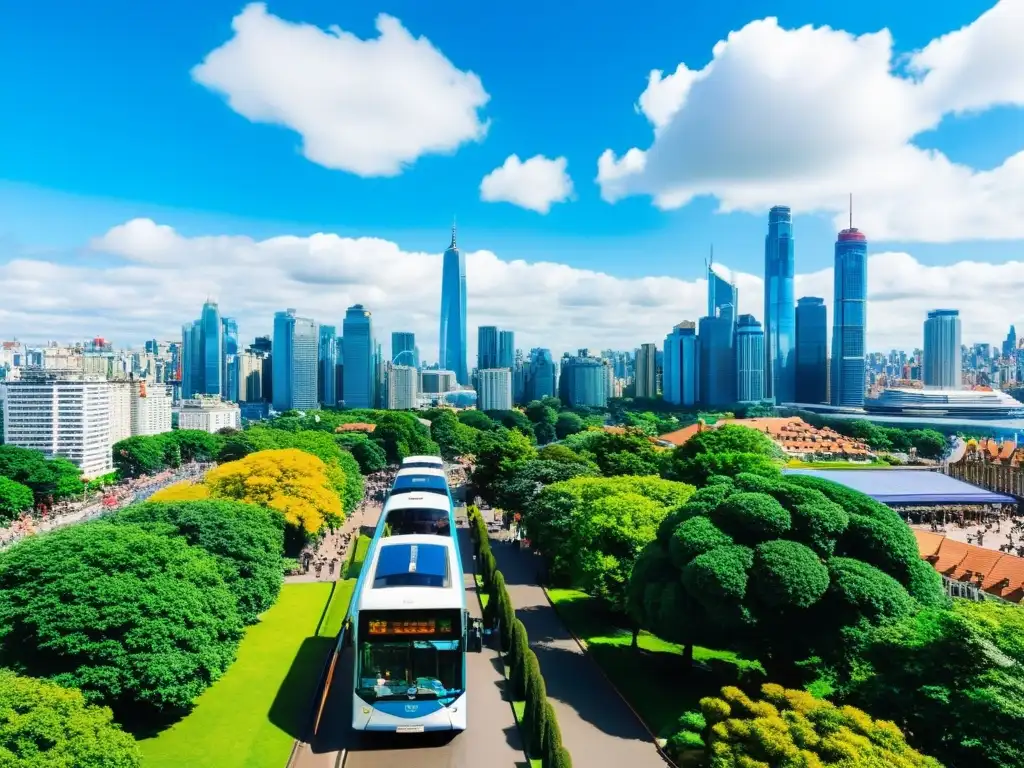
point(994, 572)
point(908, 486)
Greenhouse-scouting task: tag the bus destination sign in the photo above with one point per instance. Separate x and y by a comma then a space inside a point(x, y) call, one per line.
point(420, 627)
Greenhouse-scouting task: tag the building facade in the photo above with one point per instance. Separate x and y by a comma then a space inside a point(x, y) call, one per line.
point(811, 350)
point(849, 319)
point(284, 323)
point(779, 307)
point(645, 375)
point(452, 347)
point(212, 342)
point(749, 359)
point(436, 382)
point(209, 414)
point(680, 375)
point(327, 361)
point(585, 381)
point(404, 350)
point(506, 349)
point(403, 387)
point(360, 373)
point(494, 391)
point(229, 367)
point(541, 377)
point(304, 364)
point(486, 347)
point(717, 366)
point(943, 355)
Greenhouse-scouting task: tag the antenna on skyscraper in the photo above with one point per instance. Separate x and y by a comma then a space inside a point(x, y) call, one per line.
point(453, 231)
point(851, 210)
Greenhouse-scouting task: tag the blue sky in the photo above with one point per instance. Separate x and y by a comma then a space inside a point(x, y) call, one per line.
point(109, 125)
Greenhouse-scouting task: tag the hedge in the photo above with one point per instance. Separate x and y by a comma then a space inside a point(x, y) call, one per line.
point(539, 725)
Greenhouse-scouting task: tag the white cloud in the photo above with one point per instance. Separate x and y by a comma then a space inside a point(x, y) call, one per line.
point(802, 117)
point(535, 184)
point(369, 107)
point(161, 278)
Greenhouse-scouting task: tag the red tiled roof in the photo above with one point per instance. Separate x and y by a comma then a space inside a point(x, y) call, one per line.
point(997, 573)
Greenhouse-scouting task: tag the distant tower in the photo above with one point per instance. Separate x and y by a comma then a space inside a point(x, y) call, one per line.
point(849, 317)
point(452, 346)
point(943, 363)
point(779, 308)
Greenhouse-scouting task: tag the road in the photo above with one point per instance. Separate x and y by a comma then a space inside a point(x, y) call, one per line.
point(491, 740)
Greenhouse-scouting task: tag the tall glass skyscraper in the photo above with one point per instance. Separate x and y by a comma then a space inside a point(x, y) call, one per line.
point(506, 349)
point(281, 356)
point(359, 369)
point(213, 349)
point(749, 359)
point(230, 368)
point(327, 359)
point(540, 380)
point(680, 368)
point(943, 357)
point(486, 347)
point(403, 349)
point(452, 354)
point(779, 309)
point(304, 364)
point(811, 350)
point(849, 318)
point(717, 366)
point(723, 296)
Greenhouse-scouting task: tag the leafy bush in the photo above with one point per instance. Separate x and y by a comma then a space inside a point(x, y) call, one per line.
point(15, 498)
point(140, 622)
point(534, 713)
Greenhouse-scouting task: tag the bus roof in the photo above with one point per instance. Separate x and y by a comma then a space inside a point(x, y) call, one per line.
point(426, 471)
point(414, 552)
point(414, 482)
point(436, 460)
point(417, 500)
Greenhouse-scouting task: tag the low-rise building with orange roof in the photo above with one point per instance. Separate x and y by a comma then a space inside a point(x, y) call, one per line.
point(967, 569)
point(356, 426)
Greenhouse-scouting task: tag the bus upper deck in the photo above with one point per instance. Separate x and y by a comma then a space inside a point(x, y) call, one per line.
point(423, 462)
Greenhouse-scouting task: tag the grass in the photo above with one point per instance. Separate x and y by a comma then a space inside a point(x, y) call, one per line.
point(484, 597)
point(356, 557)
point(654, 681)
point(242, 720)
point(337, 609)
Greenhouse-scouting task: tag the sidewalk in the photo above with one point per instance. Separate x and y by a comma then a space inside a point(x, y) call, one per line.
point(597, 726)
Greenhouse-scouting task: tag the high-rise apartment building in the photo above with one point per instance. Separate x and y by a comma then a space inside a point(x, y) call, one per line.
point(452, 355)
point(360, 372)
point(486, 347)
point(120, 410)
point(403, 387)
point(645, 376)
point(506, 349)
point(303, 365)
point(327, 360)
point(811, 350)
point(284, 324)
point(150, 408)
point(541, 375)
point(779, 308)
point(943, 361)
point(494, 390)
point(229, 366)
point(585, 381)
point(680, 380)
point(250, 378)
point(849, 318)
point(749, 359)
point(404, 350)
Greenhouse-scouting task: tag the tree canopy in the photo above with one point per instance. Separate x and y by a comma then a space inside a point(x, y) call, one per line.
point(792, 728)
point(246, 540)
point(149, 454)
point(746, 560)
point(453, 436)
point(498, 454)
point(142, 623)
point(44, 725)
point(48, 479)
point(15, 498)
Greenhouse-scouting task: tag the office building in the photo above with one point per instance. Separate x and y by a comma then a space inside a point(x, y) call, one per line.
point(404, 350)
point(150, 408)
point(209, 414)
point(212, 344)
point(585, 381)
point(723, 296)
point(540, 376)
point(120, 410)
point(403, 387)
point(749, 360)
point(717, 366)
point(811, 350)
point(327, 360)
point(250, 377)
point(680, 382)
point(303, 365)
point(360, 373)
point(494, 391)
point(61, 413)
point(229, 364)
point(779, 307)
point(849, 318)
point(436, 382)
point(486, 347)
point(452, 355)
point(645, 376)
point(284, 323)
point(506, 349)
point(943, 363)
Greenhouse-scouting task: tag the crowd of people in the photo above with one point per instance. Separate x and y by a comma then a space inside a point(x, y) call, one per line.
point(97, 504)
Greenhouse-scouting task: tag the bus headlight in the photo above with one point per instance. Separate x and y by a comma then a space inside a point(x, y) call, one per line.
point(366, 710)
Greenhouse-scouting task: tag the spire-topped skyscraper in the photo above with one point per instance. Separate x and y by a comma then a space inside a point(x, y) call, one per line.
point(849, 317)
point(452, 345)
point(779, 307)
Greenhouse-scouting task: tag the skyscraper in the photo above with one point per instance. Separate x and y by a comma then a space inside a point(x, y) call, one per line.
point(506, 349)
point(717, 366)
point(943, 363)
point(281, 357)
point(811, 350)
point(212, 349)
point(404, 350)
point(360, 371)
point(540, 378)
point(779, 309)
point(452, 348)
point(486, 347)
point(303, 365)
point(749, 360)
point(680, 378)
point(327, 359)
point(495, 389)
point(230, 367)
point(403, 387)
point(645, 377)
point(722, 295)
point(849, 311)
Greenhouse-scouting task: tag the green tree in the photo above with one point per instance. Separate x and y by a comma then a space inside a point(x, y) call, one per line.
point(139, 455)
point(49, 479)
point(476, 420)
point(629, 453)
point(968, 661)
point(568, 423)
point(697, 470)
point(730, 438)
point(247, 541)
point(544, 432)
point(140, 622)
point(498, 454)
point(539, 413)
point(929, 443)
point(368, 454)
point(529, 477)
point(195, 444)
point(15, 498)
point(235, 447)
point(44, 725)
point(452, 436)
point(789, 728)
point(562, 455)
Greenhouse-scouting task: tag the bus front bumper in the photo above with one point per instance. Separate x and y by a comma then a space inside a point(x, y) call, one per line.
point(404, 716)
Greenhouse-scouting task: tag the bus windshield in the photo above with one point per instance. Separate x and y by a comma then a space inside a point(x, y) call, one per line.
point(409, 669)
point(416, 520)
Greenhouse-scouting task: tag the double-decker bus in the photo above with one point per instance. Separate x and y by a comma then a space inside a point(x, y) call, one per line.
point(422, 462)
point(420, 501)
point(410, 631)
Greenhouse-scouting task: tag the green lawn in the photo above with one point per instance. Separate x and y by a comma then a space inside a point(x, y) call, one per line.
point(250, 717)
point(356, 557)
point(484, 597)
point(338, 608)
point(654, 680)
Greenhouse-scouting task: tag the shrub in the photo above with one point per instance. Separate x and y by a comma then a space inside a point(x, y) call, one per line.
point(519, 670)
point(552, 737)
point(534, 714)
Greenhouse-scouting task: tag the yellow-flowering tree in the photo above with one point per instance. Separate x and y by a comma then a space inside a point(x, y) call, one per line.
point(294, 482)
point(792, 728)
point(184, 491)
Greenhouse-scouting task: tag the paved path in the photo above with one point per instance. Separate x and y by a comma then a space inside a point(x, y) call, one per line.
point(597, 727)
